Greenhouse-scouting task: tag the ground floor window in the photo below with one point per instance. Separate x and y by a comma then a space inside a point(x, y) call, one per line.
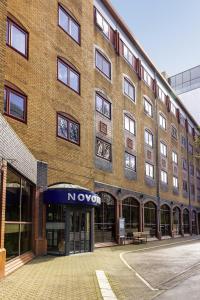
point(131, 213)
point(105, 219)
point(18, 217)
point(194, 222)
point(165, 220)
point(150, 218)
point(176, 221)
point(186, 221)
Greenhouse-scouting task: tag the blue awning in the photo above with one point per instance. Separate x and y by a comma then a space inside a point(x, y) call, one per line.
point(71, 195)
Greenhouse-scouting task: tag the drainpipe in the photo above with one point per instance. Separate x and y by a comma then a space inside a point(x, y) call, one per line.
point(188, 175)
point(157, 165)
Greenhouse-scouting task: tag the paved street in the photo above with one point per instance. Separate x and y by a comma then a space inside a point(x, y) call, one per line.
point(73, 277)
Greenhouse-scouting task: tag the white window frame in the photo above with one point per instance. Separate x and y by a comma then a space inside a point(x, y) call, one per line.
point(148, 107)
point(149, 170)
point(126, 117)
point(148, 138)
point(163, 177)
point(175, 182)
point(163, 149)
point(175, 157)
point(162, 121)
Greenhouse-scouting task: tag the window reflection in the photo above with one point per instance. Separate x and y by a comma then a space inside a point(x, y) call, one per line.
point(18, 210)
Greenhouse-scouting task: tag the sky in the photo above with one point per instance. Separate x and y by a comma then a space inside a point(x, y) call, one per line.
point(168, 30)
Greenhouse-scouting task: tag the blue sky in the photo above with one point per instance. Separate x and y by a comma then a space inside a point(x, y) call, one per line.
point(168, 30)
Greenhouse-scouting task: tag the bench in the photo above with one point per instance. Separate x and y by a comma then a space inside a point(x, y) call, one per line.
point(140, 237)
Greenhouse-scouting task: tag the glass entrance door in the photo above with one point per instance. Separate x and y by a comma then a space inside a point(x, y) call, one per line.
point(68, 229)
point(79, 230)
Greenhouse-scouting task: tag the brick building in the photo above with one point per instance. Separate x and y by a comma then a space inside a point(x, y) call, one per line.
point(96, 115)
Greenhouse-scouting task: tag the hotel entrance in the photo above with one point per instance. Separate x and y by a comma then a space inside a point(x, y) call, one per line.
point(69, 227)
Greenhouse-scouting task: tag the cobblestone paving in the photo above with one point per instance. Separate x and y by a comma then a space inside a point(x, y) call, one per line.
point(73, 277)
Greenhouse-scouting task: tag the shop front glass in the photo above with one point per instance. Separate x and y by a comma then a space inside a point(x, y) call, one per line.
point(186, 221)
point(18, 218)
point(165, 220)
point(176, 221)
point(131, 213)
point(105, 220)
point(150, 218)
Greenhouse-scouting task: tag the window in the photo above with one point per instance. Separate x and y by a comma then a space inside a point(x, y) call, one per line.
point(148, 108)
point(173, 109)
point(103, 149)
point(161, 95)
point(18, 217)
point(129, 124)
point(129, 89)
point(103, 106)
point(191, 169)
point(149, 170)
point(192, 188)
point(185, 186)
point(174, 157)
point(130, 161)
point(182, 120)
point(162, 122)
point(184, 164)
point(163, 177)
point(190, 148)
point(147, 78)
point(17, 38)
point(148, 137)
point(198, 173)
point(128, 54)
point(163, 149)
point(174, 132)
point(175, 182)
point(183, 142)
point(15, 104)
point(102, 64)
point(68, 129)
point(102, 23)
point(68, 24)
point(190, 130)
point(68, 76)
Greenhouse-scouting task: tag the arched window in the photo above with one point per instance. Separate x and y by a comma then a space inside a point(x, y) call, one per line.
point(186, 221)
point(150, 218)
point(105, 219)
point(165, 220)
point(194, 222)
point(131, 213)
point(176, 221)
point(68, 128)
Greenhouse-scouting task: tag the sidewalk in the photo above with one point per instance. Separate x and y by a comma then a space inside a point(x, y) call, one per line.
point(74, 278)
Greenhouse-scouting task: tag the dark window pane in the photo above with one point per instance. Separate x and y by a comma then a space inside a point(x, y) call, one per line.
point(11, 242)
point(12, 197)
point(17, 106)
point(25, 240)
point(26, 203)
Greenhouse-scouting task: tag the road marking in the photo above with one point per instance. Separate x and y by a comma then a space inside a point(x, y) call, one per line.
point(136, 273)
point(105, 288)
point(147, 248)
